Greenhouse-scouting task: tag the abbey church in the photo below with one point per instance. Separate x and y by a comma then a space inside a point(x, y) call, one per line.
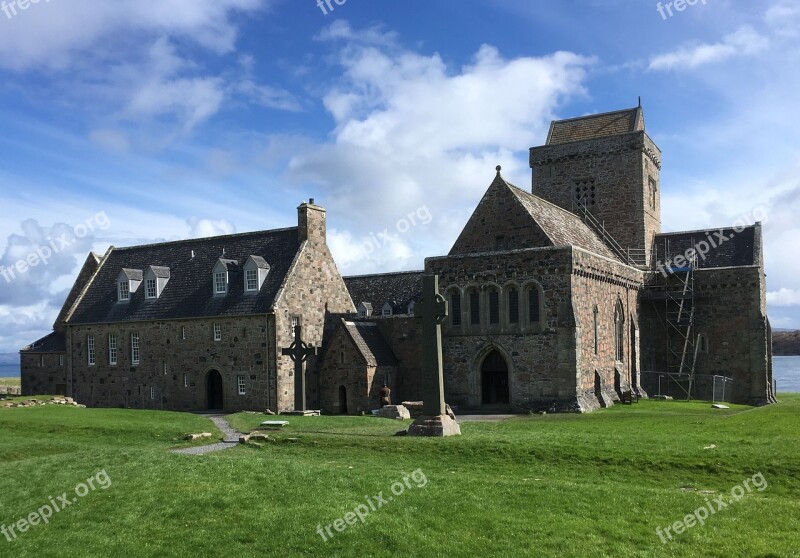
point(565, 296)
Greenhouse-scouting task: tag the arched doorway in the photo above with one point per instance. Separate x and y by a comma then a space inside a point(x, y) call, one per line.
point(342, 400)
point(214, 390)
point(494, 380)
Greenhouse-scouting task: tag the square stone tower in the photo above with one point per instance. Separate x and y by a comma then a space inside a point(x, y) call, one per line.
point(604, 168)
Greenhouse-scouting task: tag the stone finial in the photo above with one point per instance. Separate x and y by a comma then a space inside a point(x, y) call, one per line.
point(498, 168)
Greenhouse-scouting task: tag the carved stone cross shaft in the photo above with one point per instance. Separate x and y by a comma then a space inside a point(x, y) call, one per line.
point(299, 352)
point(433, 310)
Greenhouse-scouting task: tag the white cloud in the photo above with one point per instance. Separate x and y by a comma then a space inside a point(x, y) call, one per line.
point(744, 42)
point(784, 297)
point(53, 34)
point(784, 18)
point(202, 228)
point(411, 130)
point(112, 140)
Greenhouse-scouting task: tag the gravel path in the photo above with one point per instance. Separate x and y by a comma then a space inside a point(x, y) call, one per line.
point(231, 438)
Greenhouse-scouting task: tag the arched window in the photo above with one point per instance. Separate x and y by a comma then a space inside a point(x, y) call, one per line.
point(619, 332)
point(494, 306)
point(455, 307)
point(702, 343)
point(513, 305)
point(534, 305)
point(474, 308)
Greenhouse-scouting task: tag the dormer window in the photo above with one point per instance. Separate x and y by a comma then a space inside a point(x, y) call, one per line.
point(411, 308)
point(128, 282)
point(124, 291)
point(364, 309)
point(155, 280)
point(387, 309)
point(150, 288)
point(220, 283)
point(223, 270)
point(256, 270)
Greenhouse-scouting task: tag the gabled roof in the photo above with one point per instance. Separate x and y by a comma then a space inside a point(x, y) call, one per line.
point(160, 272)
point(596, 126)
point(189, 291)
point(52, 343)
point(562, 227)
point(131, 274)
point(259, 262)
point(369, 341)
point(398, 289)
point(739, 249)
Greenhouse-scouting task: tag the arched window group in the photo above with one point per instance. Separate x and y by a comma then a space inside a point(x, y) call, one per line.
point(513, 306)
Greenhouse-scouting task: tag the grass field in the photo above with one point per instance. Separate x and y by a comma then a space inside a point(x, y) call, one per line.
point(555, 485)
point(9, 382)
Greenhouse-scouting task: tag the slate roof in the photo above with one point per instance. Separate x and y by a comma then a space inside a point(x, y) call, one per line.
point(370, 343)
point(188, 293)
point(160, 271)
point(596, 126)
point(398, 289)
point(52, 343)
point(559, 225)
point(738, 250)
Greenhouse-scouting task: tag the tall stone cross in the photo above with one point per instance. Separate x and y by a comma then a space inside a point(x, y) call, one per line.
point(299, 352)
point(433, 310)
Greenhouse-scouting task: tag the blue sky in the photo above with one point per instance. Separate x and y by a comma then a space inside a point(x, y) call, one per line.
point(128, 122)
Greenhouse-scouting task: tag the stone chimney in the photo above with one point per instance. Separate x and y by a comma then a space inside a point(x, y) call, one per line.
point(311, 222)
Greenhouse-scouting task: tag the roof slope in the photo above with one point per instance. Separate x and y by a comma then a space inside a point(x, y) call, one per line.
point(509, 218)
point(398, 289)
point(562, 227)
point(740, 248)
point(596, 126)
point(52, 343)
point(370, 343)
point(188, 294)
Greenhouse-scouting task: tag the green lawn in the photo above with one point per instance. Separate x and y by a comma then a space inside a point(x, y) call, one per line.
point(10, 382)
point(555, 485)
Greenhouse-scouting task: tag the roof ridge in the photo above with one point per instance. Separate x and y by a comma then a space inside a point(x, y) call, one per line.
point(382, 274)
point(587, 116)
point(206, 238)
point(710, 229)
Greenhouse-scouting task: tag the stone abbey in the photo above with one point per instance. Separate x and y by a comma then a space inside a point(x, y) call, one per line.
point(564, 297)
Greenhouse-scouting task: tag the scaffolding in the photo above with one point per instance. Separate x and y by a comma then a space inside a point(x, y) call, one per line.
point(635, 257)
point(671, 291)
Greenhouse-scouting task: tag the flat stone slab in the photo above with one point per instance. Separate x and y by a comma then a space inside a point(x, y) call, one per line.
point(398, 412)
point(274, 423)
point(302, 413)
point(719, 406)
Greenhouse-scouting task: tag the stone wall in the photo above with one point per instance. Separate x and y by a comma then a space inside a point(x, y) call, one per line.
point(730, 312)
point(540, 373)
point(175, 359)
point(43, 373)
point(345, 367)
point(614, 174)
point(313, 292)
point(605, 285)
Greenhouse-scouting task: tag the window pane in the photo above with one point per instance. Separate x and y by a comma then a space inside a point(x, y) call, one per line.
point(494, 307)
point(455, 308)
point(513, 306)
point(474, 308)
point(151, 288)
point(533, 305)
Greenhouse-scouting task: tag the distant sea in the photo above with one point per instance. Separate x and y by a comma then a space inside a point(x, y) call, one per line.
point(786, 371)
point(9, 370)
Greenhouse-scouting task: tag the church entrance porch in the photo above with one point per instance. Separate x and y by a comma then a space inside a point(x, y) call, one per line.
point(494, 380)
point(214, 391)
